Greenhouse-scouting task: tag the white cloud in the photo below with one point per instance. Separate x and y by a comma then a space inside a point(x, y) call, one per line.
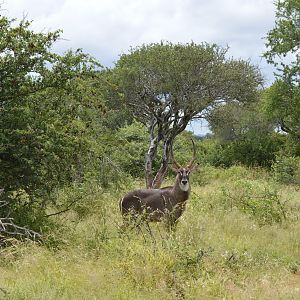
point(107, 28)
point(33, 8)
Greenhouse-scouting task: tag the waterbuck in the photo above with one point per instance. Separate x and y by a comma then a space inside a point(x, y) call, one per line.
point(166, 203)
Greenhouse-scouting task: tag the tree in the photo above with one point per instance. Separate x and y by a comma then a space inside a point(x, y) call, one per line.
point(282, 106)
point(282, 99)
point(245, 135)
point(50, 106)
point(233, 122)
point(117, 115)
point(283, 41)
point(23, 60)
point(168, 85)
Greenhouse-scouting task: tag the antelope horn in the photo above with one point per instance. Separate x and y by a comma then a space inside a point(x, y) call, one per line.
point(190, 164)
point(175, 163)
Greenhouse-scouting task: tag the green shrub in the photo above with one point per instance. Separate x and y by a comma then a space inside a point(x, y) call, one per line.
point(206, 174)
point(286, 169)
point(259, 200)
point(131, 149)
point(249, 152)
point(24, 209)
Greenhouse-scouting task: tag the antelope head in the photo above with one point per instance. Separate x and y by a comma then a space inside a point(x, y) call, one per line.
point(183, 173)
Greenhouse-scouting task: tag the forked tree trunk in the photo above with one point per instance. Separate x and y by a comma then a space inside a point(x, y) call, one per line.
point(155, 183)
point(162, 172)
point(158, 132)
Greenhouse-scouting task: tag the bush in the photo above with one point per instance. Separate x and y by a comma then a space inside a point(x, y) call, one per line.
point(286, 169)
point(249, 152)
point(131, 149)
point(259, 200)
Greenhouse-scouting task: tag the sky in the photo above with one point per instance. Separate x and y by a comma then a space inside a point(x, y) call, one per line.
point(108, 28)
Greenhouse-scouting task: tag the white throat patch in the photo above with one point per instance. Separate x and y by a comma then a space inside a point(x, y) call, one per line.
point(184, 187)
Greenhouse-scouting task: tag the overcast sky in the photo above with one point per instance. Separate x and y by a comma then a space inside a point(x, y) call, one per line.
point(107, 28)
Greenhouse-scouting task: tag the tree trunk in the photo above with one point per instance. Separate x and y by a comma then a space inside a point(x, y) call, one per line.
point(149, 161)
point(155, 138)
point(162, 172)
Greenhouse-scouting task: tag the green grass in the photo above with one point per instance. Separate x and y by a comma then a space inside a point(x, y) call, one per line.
point(217, 252)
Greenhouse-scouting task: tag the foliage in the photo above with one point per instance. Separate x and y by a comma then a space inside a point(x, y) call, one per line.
point(23, 211)
point(45, 138)
point(252, 152)
point(130, 154)
point(248, 151)
point(69, 149)
point(51, 110)
point(283, 43)
point(117, 114)
point(284, 39)
point(177, 78)
point(286, 169)
point(234, 121)
point(132, 144)
point(258, 200)
point(281, 104)
point(207, 174)
point(245, 134)
point(24, 55)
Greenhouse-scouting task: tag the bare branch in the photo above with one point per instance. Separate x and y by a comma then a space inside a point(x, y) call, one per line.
point(9, 228)
point(64, 210)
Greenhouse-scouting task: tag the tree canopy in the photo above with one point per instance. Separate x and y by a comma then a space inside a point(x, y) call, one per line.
point(283, 41)
point(282, 99)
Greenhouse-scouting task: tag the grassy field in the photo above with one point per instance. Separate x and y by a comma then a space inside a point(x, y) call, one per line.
point(238, 239)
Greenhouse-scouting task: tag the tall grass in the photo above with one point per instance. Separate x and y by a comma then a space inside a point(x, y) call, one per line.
point(215, 252)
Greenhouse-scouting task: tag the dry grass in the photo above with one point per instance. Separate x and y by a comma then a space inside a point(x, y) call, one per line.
point(215, 253)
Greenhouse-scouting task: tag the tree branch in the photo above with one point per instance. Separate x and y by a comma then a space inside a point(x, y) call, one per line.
point(9, 228)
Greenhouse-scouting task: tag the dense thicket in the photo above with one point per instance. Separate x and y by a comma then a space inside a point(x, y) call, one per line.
point(50, 118)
